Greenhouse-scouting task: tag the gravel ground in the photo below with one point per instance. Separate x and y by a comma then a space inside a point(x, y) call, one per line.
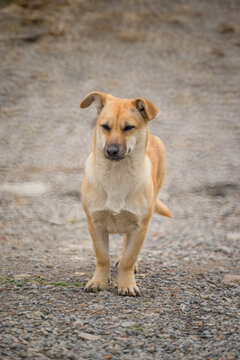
point(184, 57)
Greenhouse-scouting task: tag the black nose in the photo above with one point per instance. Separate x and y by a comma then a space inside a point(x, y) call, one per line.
point(113, 150)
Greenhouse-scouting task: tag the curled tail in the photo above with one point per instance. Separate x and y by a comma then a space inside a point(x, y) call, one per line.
point(162, 209)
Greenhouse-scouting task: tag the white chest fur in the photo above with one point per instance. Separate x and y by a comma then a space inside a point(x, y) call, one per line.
point(118, 203)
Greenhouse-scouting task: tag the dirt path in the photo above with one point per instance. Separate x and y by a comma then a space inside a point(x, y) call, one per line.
point(184, 57)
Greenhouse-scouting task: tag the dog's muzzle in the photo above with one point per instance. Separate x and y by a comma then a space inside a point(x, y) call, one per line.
point(114, 152)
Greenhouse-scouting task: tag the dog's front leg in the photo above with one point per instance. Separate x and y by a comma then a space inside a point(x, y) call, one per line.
point(122, 252)
point(101, 275)
point(126, 282)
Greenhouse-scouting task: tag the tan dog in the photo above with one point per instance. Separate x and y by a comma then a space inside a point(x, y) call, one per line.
point(123, 175)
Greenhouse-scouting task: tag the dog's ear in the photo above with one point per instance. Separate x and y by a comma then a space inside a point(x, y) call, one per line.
point(97, 96)
point(146, 108)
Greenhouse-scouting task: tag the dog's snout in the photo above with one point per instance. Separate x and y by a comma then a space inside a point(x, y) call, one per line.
point(113, 150)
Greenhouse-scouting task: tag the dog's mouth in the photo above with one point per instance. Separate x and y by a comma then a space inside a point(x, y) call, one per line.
point(114, 157)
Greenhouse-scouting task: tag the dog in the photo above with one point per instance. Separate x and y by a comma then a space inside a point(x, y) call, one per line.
point(123, 175)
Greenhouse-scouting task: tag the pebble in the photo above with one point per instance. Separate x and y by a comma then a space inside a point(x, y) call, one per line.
point(226, 211)
point(78, 324)
point(127, 324)
point(99, 307)
point(228, 279)
point(44, 332)
point(233, 236)
point(87, 336)
point(225, 250)
point(183, 307)
point(73, 356)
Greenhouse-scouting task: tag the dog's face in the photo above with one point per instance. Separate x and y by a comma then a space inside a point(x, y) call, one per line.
point(119, 126)
point(121, 123)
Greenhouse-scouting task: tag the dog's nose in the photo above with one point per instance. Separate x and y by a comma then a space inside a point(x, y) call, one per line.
point(113, 150)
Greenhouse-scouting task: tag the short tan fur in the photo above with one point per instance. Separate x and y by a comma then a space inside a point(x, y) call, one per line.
point(123, 175)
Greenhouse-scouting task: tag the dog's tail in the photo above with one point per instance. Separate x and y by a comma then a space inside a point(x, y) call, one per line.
point(162, 209)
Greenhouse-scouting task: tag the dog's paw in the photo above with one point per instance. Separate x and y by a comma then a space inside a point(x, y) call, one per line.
point(129, 291)
point(127, 284)
point(95, 286)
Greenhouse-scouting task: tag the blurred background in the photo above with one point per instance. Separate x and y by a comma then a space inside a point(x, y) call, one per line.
point(181, 55)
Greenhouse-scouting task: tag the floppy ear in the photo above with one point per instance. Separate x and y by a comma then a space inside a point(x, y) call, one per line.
point(97, 96)
point(146, 108)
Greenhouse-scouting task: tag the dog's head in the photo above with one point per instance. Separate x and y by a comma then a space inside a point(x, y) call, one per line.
point(121, 124)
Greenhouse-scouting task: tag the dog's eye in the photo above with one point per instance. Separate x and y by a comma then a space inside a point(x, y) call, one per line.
point(106, 127)
point(128, 127)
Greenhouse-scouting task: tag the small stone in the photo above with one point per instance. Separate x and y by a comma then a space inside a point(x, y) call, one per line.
point(44, 332)
point(127, 324)
point(233, 236)
point(230, 279)
point(183, 307)
point(207, 309)
point(118, 347)
point(113, 350)
point(23, 341)
point(226, 211)
point(90, 337)
point(38, 314)
point(48, 329)
point(225, 250)
point(78, 324)
point(34, 354)
point(99, 307)
point(77, 273)
point(151, 348)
